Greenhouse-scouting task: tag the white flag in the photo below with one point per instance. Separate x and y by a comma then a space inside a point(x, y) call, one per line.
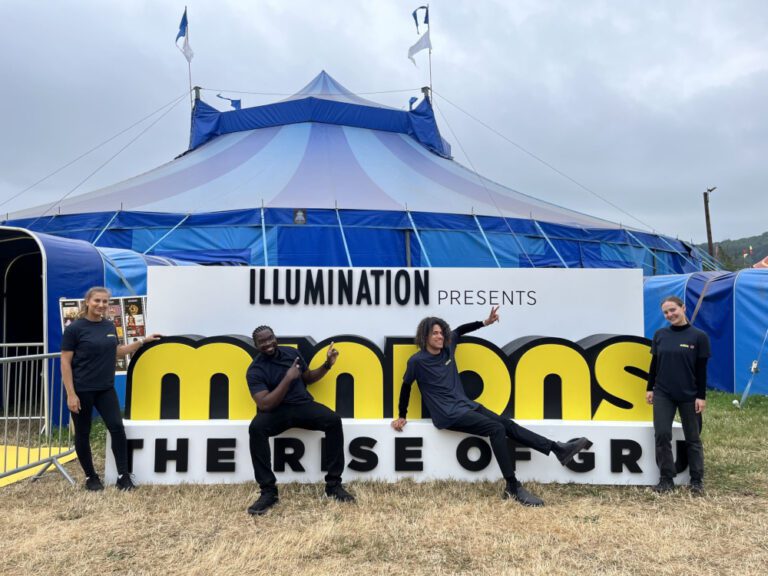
point(187, 50)
point(421, 44)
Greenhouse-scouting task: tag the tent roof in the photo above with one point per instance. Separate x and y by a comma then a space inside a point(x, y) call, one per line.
point(324, 147)
point(326, 87)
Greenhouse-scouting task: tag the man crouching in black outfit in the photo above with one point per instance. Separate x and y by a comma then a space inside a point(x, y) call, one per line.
point(277, 379)
point(434, 367)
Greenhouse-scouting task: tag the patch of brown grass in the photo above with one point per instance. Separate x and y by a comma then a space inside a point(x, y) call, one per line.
point(432, 528)
point(403, 528)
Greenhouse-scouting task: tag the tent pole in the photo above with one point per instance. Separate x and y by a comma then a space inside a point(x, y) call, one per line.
point(418, 238)
point(544, 234)
point(264, 236)
point(517, 241)
point(105, 228)
point(408, 248)
point(164, 236)
point(343, 236)
point(677, 251)
point(706, 258)
point(430, 57)
point(655, 258)
point(488, 244)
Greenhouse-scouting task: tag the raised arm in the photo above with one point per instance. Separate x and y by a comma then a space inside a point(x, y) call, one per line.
point(472, 326)
point(312, 376)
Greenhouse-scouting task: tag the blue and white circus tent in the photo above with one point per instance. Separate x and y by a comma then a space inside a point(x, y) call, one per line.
point(327, 178)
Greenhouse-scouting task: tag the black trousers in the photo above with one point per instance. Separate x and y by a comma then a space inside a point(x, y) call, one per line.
point(108, 406)
point(663, 415)
point(483, 422)
point(309, 416)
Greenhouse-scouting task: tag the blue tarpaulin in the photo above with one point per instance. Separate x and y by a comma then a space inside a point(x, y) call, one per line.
point(732, 308)
point(373, 238)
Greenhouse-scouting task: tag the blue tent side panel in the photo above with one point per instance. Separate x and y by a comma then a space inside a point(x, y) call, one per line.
point(715, 317)
point(750, 326)
point(72, 266)
point(655, 289)
point(65, 280)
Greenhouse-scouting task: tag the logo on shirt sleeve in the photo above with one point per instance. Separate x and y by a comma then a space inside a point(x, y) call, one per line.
point(689, 346)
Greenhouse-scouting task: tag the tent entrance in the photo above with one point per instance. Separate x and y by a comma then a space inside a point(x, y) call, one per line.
point(22, 324)
point(22, 321)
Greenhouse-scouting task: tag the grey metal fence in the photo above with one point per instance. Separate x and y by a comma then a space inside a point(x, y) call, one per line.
point(34, 429)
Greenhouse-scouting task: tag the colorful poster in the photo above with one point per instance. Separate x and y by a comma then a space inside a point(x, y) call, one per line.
point(115, 312)
point(69, 311)
point(135, 325)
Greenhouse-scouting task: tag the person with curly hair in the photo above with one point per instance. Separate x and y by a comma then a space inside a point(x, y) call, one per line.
point(434, 368)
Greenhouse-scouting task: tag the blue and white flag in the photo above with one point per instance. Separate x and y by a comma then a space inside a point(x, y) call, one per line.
point(422, 43)
point(184, 33)
point(426, 16)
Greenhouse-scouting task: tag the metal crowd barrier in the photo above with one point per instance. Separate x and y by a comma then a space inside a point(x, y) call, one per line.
point(34, 420)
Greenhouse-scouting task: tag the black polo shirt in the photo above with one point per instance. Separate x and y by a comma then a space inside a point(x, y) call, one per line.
point(439, 382)
point(95, 347)
point(678, 350)
point(266, 372)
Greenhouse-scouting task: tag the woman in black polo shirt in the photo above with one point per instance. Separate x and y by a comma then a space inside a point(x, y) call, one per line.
point(89, 347)
point(677, 382)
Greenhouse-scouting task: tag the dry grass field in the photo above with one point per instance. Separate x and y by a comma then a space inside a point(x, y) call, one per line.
point(433, 528)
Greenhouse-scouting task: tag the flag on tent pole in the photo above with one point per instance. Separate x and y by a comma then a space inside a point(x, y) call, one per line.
point(426, 16)
point(184, 33)
point(422, 43)
point(236, 104)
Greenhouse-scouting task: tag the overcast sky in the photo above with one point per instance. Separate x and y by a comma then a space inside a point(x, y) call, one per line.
point(644, 103)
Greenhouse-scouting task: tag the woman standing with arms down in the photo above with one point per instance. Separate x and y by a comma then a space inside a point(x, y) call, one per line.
point(677, 382)
point(89, 347)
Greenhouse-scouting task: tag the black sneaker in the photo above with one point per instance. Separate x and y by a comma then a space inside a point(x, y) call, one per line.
point(664, 485)
point(263, 504)
point(697, 488)
point(125, 483)
point(565, 451)
point(517, 492)
point(93, 483)
point(338, 493)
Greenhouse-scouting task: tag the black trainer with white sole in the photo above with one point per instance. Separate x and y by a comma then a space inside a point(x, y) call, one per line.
point(125, 483)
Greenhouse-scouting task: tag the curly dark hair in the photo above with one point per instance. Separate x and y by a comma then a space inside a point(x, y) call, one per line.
point(424, 329)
